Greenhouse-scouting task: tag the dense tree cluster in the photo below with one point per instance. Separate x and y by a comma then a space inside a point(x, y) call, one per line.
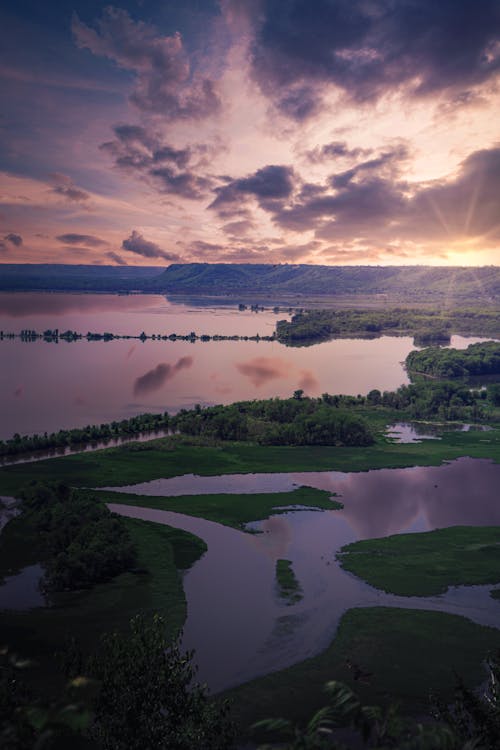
point(477, 359)
point(426, 325)
point(293, 421)
point(444, 400)
point(81, 542)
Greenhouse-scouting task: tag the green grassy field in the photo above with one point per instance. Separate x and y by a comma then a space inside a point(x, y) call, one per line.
point(230, 510)
point(385, 654)
point(130, 464)
point(162, 553)
point(428, 562)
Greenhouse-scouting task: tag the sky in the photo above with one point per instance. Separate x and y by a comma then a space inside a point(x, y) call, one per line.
point(343, 132)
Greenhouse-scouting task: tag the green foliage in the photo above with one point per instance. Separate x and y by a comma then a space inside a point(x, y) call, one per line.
point(29, 720)
point(80, 542)
point(147, 697)
point(426, 563)
point(469, 724)
point(493, 391)
point(477, 359)
point(80, 436)
point(443, 400)
point(293, 421)
point(474, 715)
point(427, 326)
point(289, 588)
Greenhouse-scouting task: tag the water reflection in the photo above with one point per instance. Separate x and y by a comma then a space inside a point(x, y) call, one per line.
point(154, 379)
point(415, 432)
point(22, 591)
point(261, 370)
point(376, 503)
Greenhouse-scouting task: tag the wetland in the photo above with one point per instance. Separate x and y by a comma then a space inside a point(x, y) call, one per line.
point(246, 517)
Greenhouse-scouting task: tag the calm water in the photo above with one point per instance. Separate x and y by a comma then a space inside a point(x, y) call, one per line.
point(48, 386)
point(236, 621)
point(415, 432)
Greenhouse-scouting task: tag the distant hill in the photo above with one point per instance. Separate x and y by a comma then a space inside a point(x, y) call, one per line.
point(409, 282)
point(69, 278)
point(454, 285)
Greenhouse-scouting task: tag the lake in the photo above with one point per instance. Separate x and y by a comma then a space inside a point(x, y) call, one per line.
point(49, 386)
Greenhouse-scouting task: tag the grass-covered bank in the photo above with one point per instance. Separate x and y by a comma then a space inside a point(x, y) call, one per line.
point(385, 654)
point(156, 586)
point(167, 457)
point(230, 510)
point(426, 563)
point(289, 589)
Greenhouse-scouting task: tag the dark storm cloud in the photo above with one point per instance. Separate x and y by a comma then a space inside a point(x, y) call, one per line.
point(140, 246)
point(164, 81)
point(368, 48)
point(154, 379)
point(64, 186)
point(268, 185)
point(80, 239)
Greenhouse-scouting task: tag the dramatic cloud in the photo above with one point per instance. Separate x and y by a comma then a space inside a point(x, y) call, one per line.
point(384, 209)
point(261, 370)
point(80, 239)
point(64, 186)
point(338, 131)
point(137, 150)
point(268, 185)
point(159, 375)
point(140, 246)
point(365, 49)
point(165, 82)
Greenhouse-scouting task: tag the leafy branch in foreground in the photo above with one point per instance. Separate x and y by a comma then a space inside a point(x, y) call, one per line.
point(148, 697)
point(471, 723)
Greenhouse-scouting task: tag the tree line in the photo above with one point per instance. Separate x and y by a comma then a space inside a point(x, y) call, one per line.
point(477, 359)
point(300, 420)
point(428, 326)
point(52, 335)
